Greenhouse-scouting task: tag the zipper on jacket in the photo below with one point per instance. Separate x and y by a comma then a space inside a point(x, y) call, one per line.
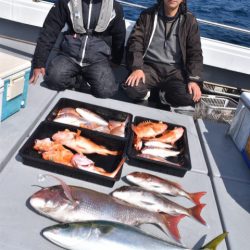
point(152, 34)
point(88, 24)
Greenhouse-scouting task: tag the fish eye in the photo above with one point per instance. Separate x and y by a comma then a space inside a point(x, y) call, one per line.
point(65, 226)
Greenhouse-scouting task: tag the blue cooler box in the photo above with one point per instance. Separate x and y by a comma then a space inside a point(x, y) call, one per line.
point(14, 81)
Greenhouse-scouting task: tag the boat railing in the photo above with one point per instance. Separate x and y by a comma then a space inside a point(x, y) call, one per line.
point(202, 21)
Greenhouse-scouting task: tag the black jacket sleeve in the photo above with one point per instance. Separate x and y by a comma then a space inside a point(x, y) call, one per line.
point(52, 27)
point(194, 57)
point(118, 33)
point(139, 39)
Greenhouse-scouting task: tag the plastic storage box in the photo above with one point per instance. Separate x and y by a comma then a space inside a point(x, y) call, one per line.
point(14, 78)
point(177, 166)
point(217, 108)
point(240, 126)
point(109, 163)
point(106, 113)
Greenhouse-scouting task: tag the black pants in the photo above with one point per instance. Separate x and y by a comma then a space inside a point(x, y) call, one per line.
point(62, 74)
point(167, 78)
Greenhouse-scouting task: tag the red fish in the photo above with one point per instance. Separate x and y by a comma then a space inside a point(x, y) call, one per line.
point(163, 186)
point(81, 144)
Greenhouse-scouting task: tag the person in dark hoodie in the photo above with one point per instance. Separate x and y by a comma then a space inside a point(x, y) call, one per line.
point(93, 42)
point(164, 52)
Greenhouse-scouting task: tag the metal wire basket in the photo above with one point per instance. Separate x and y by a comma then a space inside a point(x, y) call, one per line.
point(217, 108)
point(221, 89)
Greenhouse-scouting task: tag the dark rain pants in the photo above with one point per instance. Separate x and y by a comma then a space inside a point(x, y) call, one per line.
point(62, 73)
point(167, 78)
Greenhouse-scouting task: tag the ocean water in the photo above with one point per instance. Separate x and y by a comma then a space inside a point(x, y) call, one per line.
point(229, 12)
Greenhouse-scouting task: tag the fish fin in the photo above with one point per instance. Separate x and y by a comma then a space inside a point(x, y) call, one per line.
point(212, 245)
point(65, 187)
point(195, 197)
point(115, 172)
point(134, 128)
point(171, 222)
point(78, 133)
point(196, 213)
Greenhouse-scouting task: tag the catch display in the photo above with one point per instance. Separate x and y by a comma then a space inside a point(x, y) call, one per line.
point(160, 146)
point(65, 203)
point(93, 117)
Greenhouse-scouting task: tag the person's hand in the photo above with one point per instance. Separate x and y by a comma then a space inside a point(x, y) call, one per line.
point(135, 77)
point(194, 89)
point(36, 73)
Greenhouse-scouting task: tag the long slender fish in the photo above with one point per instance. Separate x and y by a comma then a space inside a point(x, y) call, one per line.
point(157, 144)
point(94, 235)
point(162, 186)
point(159, 152)
point(91, 116)
point(65, 203)
point(71, 119)
point(155, 202)
point(160, 159)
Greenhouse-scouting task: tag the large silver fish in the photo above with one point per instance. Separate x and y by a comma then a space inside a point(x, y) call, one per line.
point(155, 202)
point(91, 116)
point(65, 203)
point(71, 119)
point(94, 235)
point(162, 186)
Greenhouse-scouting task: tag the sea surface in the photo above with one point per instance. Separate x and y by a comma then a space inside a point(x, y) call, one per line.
point(228, 12)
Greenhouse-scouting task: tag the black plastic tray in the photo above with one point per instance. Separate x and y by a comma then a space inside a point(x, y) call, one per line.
point(106, 113)
point(46, 129)
point(183, 158)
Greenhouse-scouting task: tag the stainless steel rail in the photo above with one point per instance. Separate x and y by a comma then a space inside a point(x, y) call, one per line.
point(199, 20)
point(17, 40)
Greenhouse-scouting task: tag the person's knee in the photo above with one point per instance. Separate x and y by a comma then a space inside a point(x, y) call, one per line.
point(54, 80)
point(106, 91)
point(179, 100)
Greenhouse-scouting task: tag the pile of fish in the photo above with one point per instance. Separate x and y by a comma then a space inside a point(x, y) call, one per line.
point(54, 150)
point(93, 220)
point(70, 204)
point(85, 118)
point(155, 141)
point(148, 192)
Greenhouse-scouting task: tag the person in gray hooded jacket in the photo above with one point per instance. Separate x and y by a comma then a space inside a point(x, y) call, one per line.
point(93, 42)
point(164, 52)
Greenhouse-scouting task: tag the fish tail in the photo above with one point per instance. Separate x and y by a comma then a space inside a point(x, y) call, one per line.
point(171, 222)
point(212, 245)
point(196, 213)
point(115, 172)
point(195, 197)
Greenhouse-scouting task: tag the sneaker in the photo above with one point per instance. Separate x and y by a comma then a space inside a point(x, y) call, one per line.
point(145, 98)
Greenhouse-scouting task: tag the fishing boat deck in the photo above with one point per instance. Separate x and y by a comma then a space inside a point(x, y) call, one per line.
point(217, 168)
point(18, 181)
